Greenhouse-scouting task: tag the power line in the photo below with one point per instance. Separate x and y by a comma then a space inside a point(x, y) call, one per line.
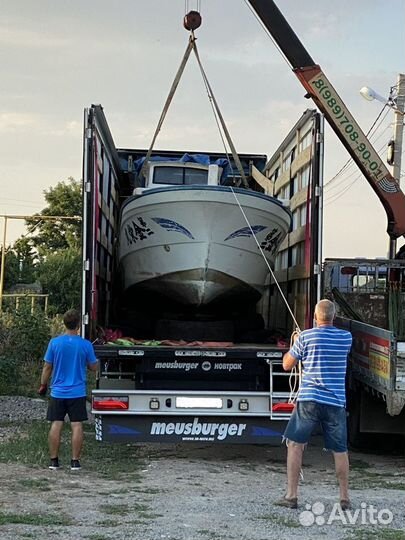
point(334, 197)
point(350, 161)
point(268, 34)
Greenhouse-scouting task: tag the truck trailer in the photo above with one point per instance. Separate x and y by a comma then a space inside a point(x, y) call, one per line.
point(216, 379)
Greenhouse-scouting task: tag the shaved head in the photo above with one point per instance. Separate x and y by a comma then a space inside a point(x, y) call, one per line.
point(325, 310)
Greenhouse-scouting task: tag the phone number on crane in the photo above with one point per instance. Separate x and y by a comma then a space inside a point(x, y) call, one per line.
point(345, 124)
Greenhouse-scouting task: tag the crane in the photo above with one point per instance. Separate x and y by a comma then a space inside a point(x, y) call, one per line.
point(338, 116)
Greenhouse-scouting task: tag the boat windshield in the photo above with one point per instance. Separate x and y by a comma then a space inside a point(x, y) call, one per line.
point(180, 176)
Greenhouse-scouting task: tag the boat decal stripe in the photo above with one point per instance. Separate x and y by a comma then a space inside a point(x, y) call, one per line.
point(170, 225)
point(224, 189)
point(246, 231)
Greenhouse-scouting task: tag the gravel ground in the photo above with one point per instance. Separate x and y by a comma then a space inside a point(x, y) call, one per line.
point(200, 493)
point(15, 409)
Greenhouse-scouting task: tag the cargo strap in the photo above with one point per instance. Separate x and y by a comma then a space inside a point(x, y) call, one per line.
point(192, 46)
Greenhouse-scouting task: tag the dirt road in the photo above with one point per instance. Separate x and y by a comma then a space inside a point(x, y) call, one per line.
point(194, 493)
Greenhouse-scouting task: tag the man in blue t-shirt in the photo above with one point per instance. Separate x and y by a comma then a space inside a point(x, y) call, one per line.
point(67, 359)
point(323, 353)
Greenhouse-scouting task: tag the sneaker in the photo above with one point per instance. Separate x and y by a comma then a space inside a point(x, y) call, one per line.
point(287, 503)
point(75, 465)
point(54, 464)
point(345, 504)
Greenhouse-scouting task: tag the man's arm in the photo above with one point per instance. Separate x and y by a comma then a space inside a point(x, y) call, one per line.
point(92, 363)
point(45, 376)
point(289, 361)
point(46, 373)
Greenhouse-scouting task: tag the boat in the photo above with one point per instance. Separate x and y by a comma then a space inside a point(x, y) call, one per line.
point(183, 235)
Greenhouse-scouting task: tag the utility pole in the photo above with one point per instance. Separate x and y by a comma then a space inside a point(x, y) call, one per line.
point(3, 262)
point(398, 136)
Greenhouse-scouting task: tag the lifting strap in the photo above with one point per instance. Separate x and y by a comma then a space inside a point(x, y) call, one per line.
point(192, 45)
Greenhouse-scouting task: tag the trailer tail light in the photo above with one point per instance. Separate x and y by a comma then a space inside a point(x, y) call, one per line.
point(110, 403)
point(283, 407)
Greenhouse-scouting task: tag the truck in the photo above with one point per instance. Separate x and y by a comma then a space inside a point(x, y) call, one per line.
point(238, 393)
point(152, 390)
point(370, 297)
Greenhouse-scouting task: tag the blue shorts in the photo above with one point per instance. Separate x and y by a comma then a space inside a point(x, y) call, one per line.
point(308, 414)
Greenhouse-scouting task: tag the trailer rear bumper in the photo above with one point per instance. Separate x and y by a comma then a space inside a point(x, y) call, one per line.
point(179, 429)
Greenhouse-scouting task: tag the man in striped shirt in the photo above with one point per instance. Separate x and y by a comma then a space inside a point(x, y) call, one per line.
point(323, 353)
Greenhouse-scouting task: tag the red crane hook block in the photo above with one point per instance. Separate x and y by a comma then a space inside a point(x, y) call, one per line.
point(192, 21)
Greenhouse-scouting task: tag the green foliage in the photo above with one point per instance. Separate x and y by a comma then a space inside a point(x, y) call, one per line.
point(51, 251)
point(19, 264)
point(26, 257)
point(11, 268)
point(64, 199)
point(60, 275)
point(23, 340)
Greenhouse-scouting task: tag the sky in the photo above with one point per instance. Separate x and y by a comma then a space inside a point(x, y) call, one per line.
point(57, 58)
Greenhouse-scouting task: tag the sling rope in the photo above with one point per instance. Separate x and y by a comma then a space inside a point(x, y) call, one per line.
point(192, 46)
point(294, 379)
point(169, 100)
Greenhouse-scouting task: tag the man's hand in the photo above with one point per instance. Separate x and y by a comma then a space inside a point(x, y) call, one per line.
point(42, 389)
point(294, 336)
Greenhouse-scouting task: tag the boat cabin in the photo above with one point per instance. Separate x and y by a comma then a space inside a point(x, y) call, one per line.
point(174, 173)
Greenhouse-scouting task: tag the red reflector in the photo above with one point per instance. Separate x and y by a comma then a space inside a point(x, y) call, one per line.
point(283, 407)
point(110, 403)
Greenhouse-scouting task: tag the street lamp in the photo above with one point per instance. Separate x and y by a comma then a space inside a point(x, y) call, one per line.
point(369, 94)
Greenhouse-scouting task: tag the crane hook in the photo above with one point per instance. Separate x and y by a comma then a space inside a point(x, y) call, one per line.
point(192, 20)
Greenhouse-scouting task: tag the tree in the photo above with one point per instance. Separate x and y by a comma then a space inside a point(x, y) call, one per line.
point(19, 263)
point(57, 243)
point(27, 259)
point(64, 199)
point(60, 276)
point(11, 270)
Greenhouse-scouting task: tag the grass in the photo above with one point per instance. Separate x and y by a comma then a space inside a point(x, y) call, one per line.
point(209, 534)
point(33, 519)
point(280, 520)
point(34, 484)
point(97, 537)
point(108, 523)
point(374, 483)
point(376, 534)
point(142, 511)
point(30, 447)
point(371, 479)
point(114, 509)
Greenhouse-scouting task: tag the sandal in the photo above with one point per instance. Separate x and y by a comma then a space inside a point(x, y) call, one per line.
point(287, 503)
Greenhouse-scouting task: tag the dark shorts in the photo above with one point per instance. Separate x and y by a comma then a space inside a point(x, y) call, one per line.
point(309, 414)
point(75, 408)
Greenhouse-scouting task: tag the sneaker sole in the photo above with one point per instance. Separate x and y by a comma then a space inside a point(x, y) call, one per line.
point(53, 468)
point(75, 468)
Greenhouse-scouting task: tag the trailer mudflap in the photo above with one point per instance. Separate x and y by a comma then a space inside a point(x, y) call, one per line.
point(169, 429)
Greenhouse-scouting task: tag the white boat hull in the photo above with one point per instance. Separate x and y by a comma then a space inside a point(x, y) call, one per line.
point(192, 244)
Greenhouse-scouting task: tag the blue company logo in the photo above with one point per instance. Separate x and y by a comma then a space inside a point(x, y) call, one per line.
point(259, 431)
point(121, 430)
point(170, 225)
point(246, 231)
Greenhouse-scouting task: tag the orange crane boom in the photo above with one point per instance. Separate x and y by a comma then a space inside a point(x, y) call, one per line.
point(337, 114)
